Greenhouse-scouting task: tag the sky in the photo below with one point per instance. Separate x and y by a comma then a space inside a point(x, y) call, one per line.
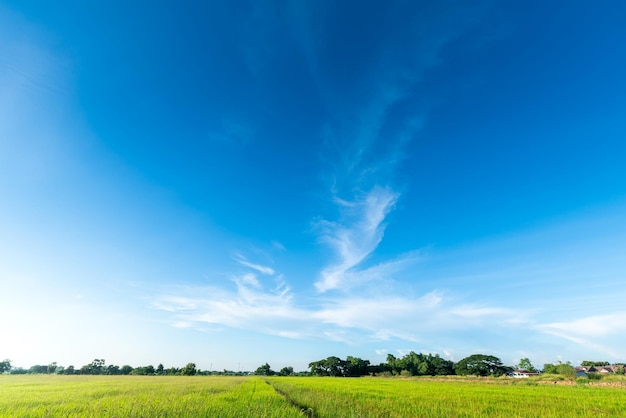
point(235, 183)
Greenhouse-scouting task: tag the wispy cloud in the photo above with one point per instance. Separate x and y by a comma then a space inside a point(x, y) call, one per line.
point(249, 306)
point(354, 239)
point(602, 333)
point(277, 311)
point(240, 259)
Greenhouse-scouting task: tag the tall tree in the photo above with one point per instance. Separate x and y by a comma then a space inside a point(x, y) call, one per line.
point(189, 369)
point(265, 370)
point(481, 365)
point(525, 364)
point(5, 365)
point(286, 371)
point(355, 367)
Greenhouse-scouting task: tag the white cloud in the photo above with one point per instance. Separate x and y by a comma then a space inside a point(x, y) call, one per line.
point(357, 237)
point(591, 326)
point(343, 319)
point(240, 259)
point(601, 333)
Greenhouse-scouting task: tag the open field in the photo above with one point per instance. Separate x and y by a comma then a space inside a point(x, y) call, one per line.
point(379, 397)
point(140, 396)
point(161, 396)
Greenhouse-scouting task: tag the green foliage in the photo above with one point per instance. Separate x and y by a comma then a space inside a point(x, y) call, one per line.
point(286, 371)
point(481, 365)
point(143, 371)
point(414, 364)
point(265, 370)
point(549, 368)
point(525, 364)
point(52, 368)
point(95, 367)
point(355, 367)
point(563, 369)
point(38, 369)
point(5, 365)
point(331, 366)
point(594, 363)
point(189, 369)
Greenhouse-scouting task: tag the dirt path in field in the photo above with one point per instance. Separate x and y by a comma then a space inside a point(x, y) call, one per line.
point(304, 409)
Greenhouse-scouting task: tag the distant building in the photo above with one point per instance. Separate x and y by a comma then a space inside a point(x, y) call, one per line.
point(583, 371)
point(522, 374)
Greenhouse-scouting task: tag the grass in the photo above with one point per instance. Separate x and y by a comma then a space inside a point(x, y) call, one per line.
point(140, 396)
point(372, 397)
point(162, 396)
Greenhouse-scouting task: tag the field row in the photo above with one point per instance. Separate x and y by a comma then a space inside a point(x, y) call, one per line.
point(137, 396)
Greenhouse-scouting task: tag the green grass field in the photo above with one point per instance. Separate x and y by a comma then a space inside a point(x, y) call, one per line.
point(139, 396)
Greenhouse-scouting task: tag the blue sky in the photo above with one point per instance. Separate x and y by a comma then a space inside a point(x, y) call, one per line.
point(234, 183)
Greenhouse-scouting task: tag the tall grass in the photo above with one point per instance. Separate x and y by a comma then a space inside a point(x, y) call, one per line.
point(143, 396)
point(140, 396)
point(367, 397)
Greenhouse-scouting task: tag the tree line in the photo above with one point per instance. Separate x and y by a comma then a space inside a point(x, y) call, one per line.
point(99, 367)
point(411, 364)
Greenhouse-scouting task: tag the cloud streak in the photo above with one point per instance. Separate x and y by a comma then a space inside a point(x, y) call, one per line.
point(602, 333)
point(356, 238)
point(251, 306)
point(240, 259)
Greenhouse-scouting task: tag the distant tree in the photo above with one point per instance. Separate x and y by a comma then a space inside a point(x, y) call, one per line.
point(481, 365)
point(354, 367)
point(525, 364)
point(95, 367)
point(112, 370)
point(5, 365)
point(52, 368)
point(286, 371)
point(442, 366)
point(143, 370)
point(159, 369)
point(594, 363)
point(126, 369)
point(172, 371)
point(70, 370)
point(565, 369)
point(265, 370)
point(420, 364)
point(189, 369)
point(334, 366)
point(393, 364)
point(331, 366)
point(38, 369)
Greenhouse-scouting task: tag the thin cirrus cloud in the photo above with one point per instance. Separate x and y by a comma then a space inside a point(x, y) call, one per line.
point(356, 238)
point(240, 259)
point(252, 305)
point(603, 333)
